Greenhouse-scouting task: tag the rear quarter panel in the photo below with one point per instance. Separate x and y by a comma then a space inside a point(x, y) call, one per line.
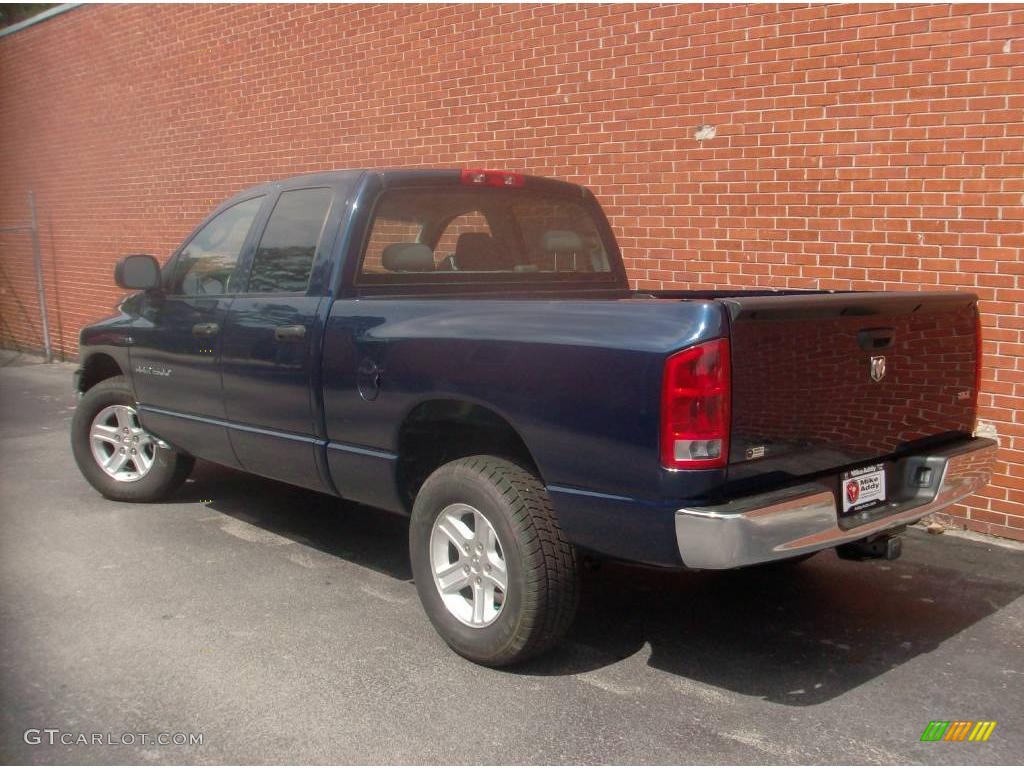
point(578, 380)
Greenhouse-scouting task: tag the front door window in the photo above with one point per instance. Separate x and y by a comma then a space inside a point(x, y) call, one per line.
point(205, 266)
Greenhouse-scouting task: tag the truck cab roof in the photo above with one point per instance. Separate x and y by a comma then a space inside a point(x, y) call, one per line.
point(407, 177)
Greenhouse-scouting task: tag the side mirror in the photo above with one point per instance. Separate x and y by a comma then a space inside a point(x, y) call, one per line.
point(139, 272)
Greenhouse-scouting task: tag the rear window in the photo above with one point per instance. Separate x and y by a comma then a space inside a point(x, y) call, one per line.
point(458, 235)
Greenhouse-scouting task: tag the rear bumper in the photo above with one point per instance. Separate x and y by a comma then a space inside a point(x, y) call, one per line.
point(803, 519)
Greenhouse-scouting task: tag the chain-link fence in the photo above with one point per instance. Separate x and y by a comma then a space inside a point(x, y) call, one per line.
point(23, 301)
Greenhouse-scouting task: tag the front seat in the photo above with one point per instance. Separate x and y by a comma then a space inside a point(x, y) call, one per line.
point(195, 284)
point(479, 252)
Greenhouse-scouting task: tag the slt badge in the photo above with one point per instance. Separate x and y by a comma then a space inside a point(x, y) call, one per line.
point(150, 370)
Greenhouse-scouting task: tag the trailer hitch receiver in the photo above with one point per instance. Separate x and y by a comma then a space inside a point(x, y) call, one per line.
point(887, 546)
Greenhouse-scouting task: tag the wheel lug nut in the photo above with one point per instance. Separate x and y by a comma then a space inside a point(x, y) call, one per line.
point(487, 568)
point(479, 580)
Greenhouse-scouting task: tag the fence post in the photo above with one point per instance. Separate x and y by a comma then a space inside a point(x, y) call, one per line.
point(38, 258)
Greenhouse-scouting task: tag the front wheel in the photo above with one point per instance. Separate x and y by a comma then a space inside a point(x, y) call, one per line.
point(115, 454)
point(494, 572)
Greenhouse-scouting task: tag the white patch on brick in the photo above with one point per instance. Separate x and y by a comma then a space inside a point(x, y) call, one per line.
point(705, 132)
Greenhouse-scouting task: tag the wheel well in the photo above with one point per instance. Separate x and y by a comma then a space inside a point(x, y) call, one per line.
point(97, 368)
point(439, 431)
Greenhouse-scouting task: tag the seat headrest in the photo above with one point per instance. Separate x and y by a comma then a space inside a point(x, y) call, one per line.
point(562, 241)
point(408, 257)
point(479, 252)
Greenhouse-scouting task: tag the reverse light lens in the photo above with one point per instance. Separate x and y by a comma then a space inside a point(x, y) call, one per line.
point(475, 177)
point(695, 399)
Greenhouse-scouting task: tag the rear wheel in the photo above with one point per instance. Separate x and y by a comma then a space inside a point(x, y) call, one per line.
point(115, 454)
point(494, 572)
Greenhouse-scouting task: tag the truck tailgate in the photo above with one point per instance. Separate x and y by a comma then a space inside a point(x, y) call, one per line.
point(822, 381)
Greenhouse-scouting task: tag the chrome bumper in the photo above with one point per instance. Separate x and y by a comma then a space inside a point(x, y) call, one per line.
point(795, 521)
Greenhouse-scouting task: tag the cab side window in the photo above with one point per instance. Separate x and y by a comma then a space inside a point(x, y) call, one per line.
point(204, 267)
point(287, 249)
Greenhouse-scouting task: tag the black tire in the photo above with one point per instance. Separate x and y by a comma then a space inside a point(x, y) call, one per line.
point(170, 468)
point(541, 564)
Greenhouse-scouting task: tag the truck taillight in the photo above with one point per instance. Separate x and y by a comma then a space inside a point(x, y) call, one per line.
point(492, 178)
point(695, 407)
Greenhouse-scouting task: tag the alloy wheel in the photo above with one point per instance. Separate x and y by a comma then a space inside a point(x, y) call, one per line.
point(120, 446)
point(468, 565)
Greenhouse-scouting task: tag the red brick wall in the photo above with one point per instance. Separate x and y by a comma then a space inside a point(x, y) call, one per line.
point(870, 146)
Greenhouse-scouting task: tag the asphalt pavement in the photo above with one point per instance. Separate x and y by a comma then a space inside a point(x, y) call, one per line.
point(281, 626)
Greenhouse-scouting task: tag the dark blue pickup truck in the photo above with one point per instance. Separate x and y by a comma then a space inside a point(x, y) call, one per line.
point(463, 347)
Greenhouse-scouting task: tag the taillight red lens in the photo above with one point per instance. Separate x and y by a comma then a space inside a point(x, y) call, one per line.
point(483, 178)
point(695, 399)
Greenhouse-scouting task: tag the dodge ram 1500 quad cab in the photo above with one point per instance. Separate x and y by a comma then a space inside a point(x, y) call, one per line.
point(465, 348)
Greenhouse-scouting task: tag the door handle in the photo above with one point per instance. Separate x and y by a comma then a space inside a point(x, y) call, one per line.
point(871, 339)
point(205, 329)
point(290, 332)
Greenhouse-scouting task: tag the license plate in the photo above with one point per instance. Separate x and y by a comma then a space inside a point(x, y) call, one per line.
point(863, 488)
